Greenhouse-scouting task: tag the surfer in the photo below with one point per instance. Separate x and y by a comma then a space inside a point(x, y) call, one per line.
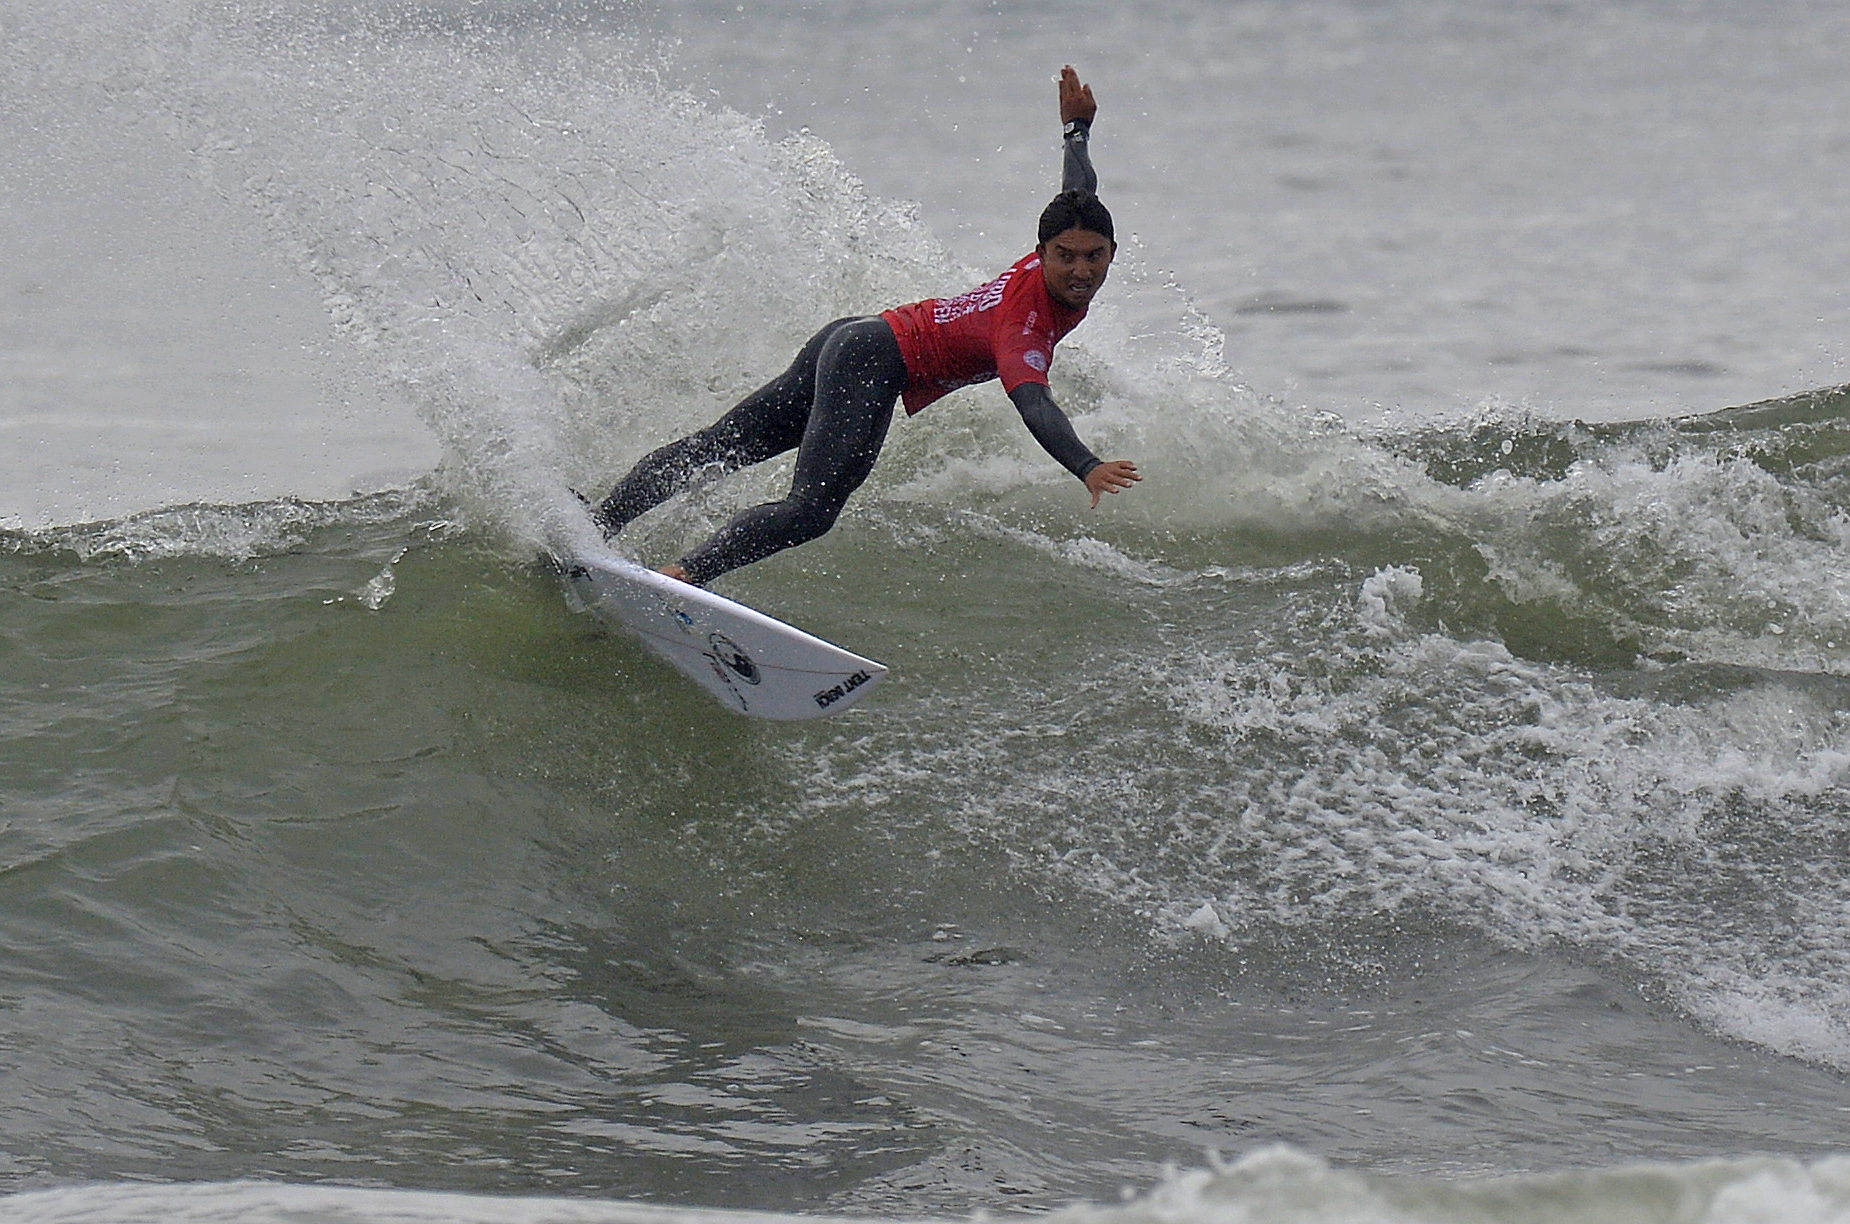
point(835, 402)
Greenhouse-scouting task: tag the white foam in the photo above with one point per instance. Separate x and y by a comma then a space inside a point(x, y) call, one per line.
point(230, 532)
point(1384, 597)
point(1388, 766)
point(1273, 1185)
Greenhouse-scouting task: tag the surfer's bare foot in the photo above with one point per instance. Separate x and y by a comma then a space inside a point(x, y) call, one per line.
point(674, 571)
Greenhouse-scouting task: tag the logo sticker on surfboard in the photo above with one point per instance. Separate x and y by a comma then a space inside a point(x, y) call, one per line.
point(737, 661)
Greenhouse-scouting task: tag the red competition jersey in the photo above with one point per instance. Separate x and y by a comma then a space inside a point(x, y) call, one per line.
point(1004, 329)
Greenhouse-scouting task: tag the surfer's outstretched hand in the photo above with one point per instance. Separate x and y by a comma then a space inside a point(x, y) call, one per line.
point(1111, 477)
point(1076, 100)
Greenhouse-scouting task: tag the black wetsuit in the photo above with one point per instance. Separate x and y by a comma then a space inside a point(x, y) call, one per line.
point(833, 405)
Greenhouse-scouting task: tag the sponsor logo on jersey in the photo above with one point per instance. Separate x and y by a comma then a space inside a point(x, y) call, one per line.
point(1034, 359)
point(983, 297)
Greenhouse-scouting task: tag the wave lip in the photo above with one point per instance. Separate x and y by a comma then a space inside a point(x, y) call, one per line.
point(227, 532)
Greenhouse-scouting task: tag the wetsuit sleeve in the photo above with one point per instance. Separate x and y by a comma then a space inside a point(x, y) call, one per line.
point(1076, 173)
point(1051, 428)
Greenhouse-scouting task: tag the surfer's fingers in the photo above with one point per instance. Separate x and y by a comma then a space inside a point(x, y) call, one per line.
point(1119, 474)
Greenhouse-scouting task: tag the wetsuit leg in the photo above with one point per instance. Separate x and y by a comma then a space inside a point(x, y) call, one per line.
point(765, 423)
point(859, 375)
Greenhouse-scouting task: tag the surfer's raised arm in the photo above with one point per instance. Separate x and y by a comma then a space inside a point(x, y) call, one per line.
point(835, 402)
point(1077, 110)
point(1075, 252)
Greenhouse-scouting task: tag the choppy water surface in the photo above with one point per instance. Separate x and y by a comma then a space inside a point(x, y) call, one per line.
point(1452, 797)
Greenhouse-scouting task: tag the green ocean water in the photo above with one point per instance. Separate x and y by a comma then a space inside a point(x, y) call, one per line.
point(336, 842)
point(1430, 813)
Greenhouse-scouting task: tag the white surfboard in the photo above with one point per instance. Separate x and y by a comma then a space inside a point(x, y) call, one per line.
point(754, 663)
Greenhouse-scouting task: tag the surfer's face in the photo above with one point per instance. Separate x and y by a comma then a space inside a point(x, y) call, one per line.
point(1074, 264)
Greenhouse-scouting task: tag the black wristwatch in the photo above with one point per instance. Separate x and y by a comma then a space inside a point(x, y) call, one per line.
point(1082, 128)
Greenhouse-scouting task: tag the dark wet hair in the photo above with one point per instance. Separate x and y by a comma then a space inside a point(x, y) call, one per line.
point(1075, 208)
